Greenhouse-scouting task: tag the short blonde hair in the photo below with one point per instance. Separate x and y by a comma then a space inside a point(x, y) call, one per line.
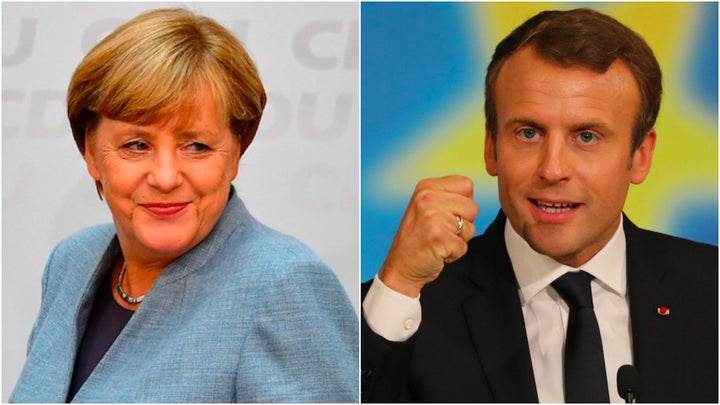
point(155, 64)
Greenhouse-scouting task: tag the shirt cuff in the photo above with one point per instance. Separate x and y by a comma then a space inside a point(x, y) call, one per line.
point(394, 316)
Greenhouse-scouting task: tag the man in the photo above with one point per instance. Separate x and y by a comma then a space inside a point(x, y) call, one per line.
point(571, 101)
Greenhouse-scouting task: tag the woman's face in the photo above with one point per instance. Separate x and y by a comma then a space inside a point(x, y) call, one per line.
point(166, 186)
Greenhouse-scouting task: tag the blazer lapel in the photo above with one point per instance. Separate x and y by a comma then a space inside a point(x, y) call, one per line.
point(141, 340)
point(494, 317)
point(51, 363)
point(656, 337)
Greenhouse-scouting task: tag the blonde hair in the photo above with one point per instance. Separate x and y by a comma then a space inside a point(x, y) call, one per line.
point(155, 64)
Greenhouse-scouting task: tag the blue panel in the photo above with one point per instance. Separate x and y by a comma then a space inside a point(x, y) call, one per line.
point(415, 58)
point(692, 221)
point(703, 61)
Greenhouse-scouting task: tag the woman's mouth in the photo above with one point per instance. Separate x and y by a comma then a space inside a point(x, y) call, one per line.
point(164, 209)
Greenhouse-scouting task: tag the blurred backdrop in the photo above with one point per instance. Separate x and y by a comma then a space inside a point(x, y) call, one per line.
point(299, 176)
point(423, 68)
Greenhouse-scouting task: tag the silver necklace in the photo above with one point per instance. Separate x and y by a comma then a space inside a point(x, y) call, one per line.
point(123, 295)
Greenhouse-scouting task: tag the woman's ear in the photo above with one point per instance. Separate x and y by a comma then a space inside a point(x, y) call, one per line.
point(90, 161)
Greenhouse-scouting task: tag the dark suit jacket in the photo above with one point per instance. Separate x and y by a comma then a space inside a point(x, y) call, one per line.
point(472, 345)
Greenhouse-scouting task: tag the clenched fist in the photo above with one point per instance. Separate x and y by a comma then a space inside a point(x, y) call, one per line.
point(434, 230)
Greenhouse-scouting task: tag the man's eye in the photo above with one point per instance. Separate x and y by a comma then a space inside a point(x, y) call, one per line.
point(528, 133)
point(587, 137)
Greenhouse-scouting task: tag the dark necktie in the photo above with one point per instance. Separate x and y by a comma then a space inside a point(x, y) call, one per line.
point(585, 378)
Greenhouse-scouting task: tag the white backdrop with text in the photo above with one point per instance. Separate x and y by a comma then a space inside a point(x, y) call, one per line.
point(299, 176)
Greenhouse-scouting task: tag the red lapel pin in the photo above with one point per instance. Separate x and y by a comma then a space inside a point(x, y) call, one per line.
point(663, 311)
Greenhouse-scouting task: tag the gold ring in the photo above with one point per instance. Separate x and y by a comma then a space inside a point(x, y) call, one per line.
point(460, 224)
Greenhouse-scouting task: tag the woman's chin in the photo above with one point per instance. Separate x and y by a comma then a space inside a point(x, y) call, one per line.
point(167, 247)
point(167, 240)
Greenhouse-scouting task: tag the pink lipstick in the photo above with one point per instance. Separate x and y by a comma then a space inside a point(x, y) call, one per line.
point(164, 209)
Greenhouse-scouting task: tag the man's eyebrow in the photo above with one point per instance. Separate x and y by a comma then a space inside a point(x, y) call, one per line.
point(598, 126)
point(523, 121)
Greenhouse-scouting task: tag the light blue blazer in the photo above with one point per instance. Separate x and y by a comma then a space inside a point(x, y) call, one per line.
point(248, 315)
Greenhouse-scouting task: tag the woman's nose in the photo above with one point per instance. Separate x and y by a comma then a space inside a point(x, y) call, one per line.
point(165, 171)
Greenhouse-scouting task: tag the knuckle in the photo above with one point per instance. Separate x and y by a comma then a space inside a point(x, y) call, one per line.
point(466, 184)
point(424, 184)
point(424, 196)
point(461, 250)
point(430, 217)
point(443, 253)
point(435, 236)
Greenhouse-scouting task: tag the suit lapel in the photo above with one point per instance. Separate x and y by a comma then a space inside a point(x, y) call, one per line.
point(656, 338)
point(494, 318)
point(504, 353)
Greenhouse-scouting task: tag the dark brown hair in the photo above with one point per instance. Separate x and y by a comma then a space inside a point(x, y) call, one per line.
point(587, 38)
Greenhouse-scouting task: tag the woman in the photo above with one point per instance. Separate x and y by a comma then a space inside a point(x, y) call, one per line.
point(185, 297)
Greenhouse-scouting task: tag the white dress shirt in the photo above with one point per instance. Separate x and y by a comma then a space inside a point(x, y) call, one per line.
point(397, 317)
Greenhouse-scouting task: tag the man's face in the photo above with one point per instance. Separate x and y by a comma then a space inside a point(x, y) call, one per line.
point(562, 153)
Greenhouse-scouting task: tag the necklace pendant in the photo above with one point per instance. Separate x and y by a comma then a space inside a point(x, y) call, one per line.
point(127, 298)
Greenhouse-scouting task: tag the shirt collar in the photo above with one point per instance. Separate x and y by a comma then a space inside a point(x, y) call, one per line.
point(535, 271)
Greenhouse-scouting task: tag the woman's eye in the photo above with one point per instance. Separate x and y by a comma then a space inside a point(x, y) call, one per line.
point(196, 147)
point(137, 145)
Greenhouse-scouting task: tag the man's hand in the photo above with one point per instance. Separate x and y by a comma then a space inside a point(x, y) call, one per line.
point(428, 236)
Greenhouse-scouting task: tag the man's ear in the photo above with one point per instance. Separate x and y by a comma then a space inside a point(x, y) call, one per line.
point(642, 158)
point(490, 153)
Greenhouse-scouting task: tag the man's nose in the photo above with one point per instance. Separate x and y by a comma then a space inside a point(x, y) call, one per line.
point(554, 164)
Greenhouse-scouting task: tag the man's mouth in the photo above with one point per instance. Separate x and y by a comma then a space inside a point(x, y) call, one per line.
point(554, 207)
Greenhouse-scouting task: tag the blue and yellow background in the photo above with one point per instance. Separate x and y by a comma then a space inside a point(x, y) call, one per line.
point(422, 83)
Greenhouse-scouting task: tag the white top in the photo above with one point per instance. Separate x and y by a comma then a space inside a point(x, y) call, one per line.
point(397, 317)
